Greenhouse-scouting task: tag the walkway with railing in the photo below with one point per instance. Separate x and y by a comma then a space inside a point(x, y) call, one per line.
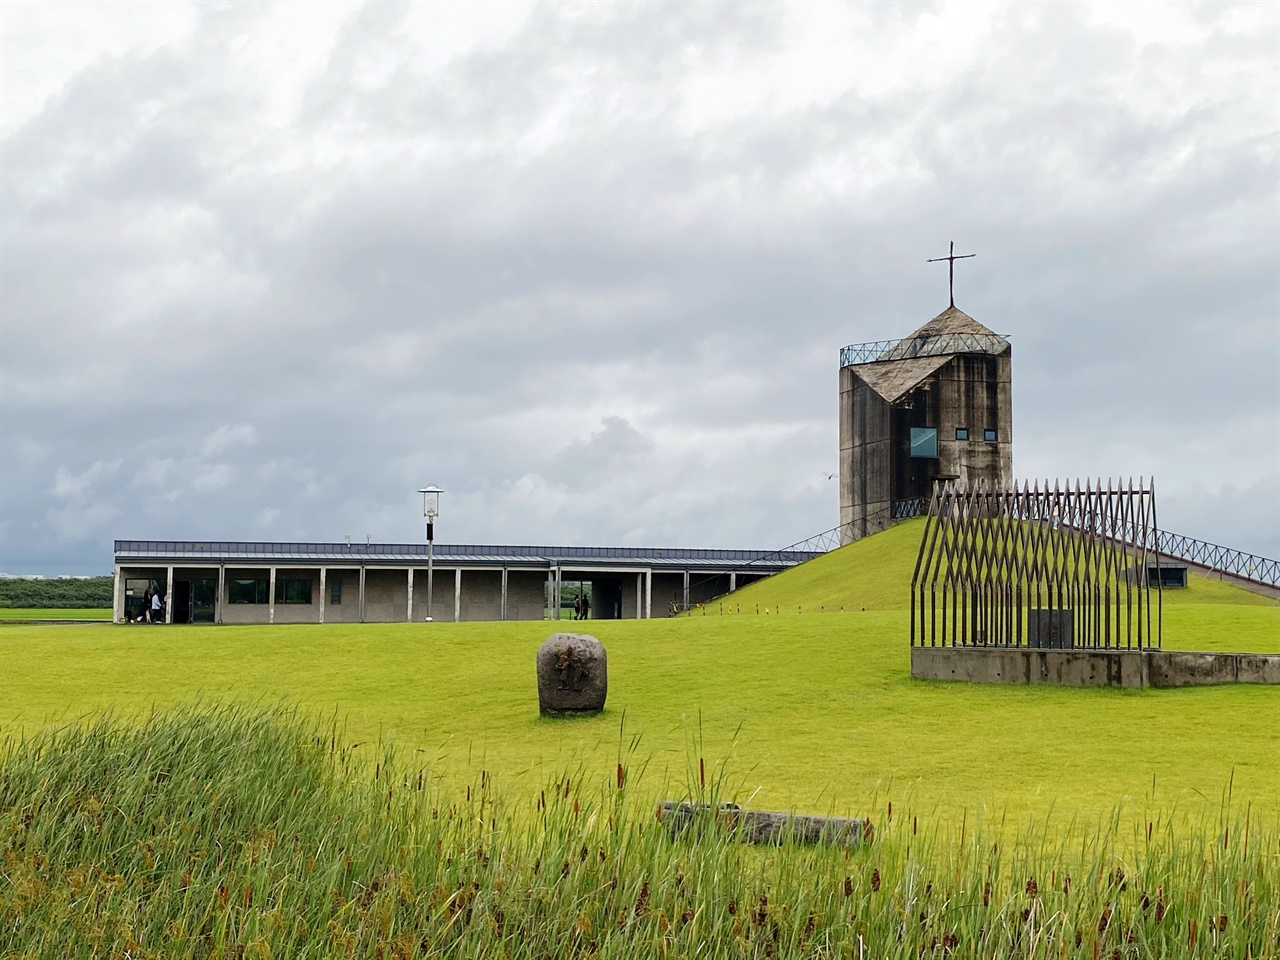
point(1220, 559)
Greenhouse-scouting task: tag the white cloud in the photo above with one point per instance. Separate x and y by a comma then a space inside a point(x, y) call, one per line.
point(155, 472)
point(226, 437)
point(75, 486)
point(212, 477)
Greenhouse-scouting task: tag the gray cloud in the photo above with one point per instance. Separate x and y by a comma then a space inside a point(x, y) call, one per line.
point(264, 274)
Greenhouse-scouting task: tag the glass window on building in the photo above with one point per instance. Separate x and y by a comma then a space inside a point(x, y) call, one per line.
point(989, 435)
point(293, 591)
point(247, 591)
point(335, 590)
point(924, 441)
point(962, 433)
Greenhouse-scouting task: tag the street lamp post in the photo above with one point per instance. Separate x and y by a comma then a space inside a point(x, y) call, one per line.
point(430, 510)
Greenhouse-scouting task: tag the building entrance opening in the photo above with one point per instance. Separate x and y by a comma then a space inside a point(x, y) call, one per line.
point(607, 595)
point(599, 599)
point(577, 600)
point(193, 600)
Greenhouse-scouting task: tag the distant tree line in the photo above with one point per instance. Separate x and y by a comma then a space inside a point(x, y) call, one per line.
point(94, 592)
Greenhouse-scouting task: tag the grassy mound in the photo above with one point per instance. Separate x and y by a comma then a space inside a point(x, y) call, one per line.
point(875, 574)
point(226, 833)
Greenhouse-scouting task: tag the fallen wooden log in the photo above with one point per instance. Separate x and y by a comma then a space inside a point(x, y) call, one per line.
point(767, 826)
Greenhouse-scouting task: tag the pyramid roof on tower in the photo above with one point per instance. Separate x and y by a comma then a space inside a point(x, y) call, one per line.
point(950, 322)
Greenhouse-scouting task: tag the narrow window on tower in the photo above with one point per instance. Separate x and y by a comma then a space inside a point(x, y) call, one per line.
point(924, 441)
point(962, 433)
point(989, 435)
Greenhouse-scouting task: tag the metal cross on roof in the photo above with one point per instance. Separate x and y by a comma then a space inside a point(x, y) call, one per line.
point(951, 268)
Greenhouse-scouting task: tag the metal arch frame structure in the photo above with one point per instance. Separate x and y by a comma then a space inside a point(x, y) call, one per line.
point(989, 558)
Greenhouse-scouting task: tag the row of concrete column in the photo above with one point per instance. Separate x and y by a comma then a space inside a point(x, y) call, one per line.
point(644, 592)
point(118, 602)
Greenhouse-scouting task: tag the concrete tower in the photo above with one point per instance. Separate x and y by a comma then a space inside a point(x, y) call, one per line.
point(935, 405)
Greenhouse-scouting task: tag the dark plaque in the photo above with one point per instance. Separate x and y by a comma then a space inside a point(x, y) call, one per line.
point(1050, 629)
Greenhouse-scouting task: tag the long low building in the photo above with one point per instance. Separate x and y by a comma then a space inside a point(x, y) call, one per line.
point(251, 582)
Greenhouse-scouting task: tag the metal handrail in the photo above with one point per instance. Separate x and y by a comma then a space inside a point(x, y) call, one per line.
point(907, 348)
point(1237, 563)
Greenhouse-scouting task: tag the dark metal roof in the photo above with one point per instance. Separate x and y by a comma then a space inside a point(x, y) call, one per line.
point(230, 551)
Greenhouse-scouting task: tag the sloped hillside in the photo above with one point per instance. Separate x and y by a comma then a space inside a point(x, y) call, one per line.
point(875, 574)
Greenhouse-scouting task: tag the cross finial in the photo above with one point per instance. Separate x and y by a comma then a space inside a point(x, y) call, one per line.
point(951, 268)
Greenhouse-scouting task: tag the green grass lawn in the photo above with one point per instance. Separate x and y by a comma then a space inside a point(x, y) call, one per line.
point(815, 711)
point(61, 613)
point(244, 833)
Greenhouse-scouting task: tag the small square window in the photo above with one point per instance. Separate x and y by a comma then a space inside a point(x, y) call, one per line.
point(962, 433)
point(989, 435)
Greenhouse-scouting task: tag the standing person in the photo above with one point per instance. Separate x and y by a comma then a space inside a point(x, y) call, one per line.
point(586, 606)
point(577, 607)
point(145, 616)
point(156, 605)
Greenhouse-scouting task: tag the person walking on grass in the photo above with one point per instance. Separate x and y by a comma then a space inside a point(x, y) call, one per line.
point(156, 605)
point(145, 616)
point(586, 606)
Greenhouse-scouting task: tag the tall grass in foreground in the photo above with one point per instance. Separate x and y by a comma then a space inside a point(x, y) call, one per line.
point(224, 832)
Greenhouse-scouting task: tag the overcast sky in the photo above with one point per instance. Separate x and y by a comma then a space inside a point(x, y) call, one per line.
point(268, 269)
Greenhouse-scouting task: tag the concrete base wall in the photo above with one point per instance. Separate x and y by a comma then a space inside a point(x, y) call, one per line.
point(1180, 669)
point(1082, 667)
point(1066, 668)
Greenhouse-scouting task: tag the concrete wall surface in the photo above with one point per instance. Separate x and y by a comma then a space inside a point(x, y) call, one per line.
point(1170, 668)
point(344, 583)
point(1087, 667)
point(1066, 668)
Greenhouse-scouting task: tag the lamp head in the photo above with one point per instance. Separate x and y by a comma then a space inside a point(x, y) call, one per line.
point(430, 501)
